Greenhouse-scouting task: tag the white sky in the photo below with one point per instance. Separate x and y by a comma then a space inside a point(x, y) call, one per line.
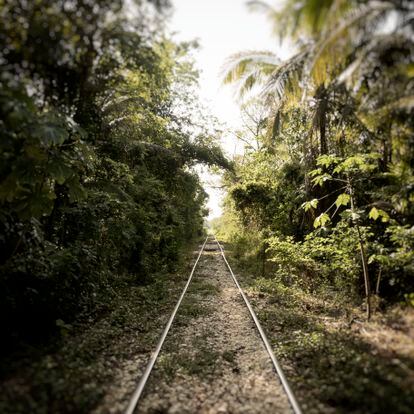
point(222, 27)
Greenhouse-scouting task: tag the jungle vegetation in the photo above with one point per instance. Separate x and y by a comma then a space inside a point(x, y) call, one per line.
point(100, 133)
point(99, 196)
point(323, 195)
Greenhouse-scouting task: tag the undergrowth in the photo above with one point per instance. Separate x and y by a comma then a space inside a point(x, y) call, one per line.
point(334, 359)
point(71, 373)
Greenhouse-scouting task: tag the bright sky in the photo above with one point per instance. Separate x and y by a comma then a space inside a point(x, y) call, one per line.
point(222, 27)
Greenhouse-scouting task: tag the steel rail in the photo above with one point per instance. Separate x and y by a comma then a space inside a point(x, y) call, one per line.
point(291, 397)
point(141, 384)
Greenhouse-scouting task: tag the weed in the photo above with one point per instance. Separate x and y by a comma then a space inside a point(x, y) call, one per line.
point(203, 288)
point(229, 356)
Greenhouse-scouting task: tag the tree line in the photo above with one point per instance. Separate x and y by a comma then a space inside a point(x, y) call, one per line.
point(323, 194)
point(100, 132)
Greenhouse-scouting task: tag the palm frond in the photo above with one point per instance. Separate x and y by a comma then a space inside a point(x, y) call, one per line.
point(403, 103)
point(261, 6)
point(367, 14)
point(248, 69)
point(237, 65)
point(301, 17)
point(286, 78)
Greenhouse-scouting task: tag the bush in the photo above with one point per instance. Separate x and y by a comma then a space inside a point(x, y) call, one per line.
point(321, 260)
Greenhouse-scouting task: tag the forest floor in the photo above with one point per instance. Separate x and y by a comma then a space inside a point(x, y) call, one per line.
point(335, 360)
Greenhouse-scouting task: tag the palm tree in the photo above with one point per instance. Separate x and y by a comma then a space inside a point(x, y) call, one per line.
point(335, 38)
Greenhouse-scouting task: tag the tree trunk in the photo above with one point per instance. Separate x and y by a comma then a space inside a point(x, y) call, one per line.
point(320, 119)
point(322, 127)
point(366, 275)
point(378, 281)
point(363, 255)
point(264, 261)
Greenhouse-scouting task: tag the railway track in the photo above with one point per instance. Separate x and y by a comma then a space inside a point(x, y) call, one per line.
point(210, 246)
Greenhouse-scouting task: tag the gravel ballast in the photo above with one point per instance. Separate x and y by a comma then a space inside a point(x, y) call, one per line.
point(213, 360)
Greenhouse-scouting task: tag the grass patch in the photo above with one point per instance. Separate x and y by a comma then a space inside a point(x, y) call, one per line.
point(200, 360)
point(229, 356)
point(193, 309)
point(193, 306)
point(202, 363)
point(203, 288)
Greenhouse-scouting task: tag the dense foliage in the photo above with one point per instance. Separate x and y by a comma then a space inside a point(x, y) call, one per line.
point(96, 175)
point(323, 195)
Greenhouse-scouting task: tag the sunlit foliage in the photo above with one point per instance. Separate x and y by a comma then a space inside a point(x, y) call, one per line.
point(336, 164)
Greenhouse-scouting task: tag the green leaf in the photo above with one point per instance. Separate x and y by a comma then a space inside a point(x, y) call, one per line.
point(35, 152)
point(320, 179)
point(318, 171)
point(60, 171)
point(9, 188)
point(359, 163)
point(374, 213)
point(310, 204)
point(343, 200)
point(327, 160)
point(50, 133)
point(372, 258)
point(321, 220)
point(384, 216)
point(76, 191)
point(355, 216)
point(36, 205)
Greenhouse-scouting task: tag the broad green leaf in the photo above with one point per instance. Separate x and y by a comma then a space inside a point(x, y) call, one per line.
point(318, 171)
point(35, 152)
point(59, 171)
point(321, 220)
point(36, 205)
point(342, 200)
point(372, 258)
point(76, 191)
point(9, 188)
point(310, 204)
point(374, 213)
point(320, 179)
point(384, 216)
point(359, 162)
point(50, 133)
